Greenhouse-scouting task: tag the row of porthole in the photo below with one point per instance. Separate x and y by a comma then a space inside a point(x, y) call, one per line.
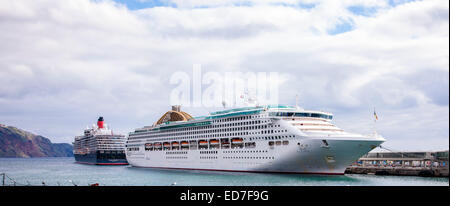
point(249, 157)
point(208, 152)
point(246, 151)
point(208, 157)
point(176, 157)
point(176, 152)
point(212, 157)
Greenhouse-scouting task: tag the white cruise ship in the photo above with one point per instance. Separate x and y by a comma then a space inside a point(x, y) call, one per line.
point(274, 138)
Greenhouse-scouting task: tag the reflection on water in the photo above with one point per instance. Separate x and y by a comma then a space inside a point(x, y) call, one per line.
point(63, 171)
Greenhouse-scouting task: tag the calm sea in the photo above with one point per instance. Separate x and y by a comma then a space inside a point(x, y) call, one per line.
point(64, 171)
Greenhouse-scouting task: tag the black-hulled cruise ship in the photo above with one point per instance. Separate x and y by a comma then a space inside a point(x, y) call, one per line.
point(99, 146)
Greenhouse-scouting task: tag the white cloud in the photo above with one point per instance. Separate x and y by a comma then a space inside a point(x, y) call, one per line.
point(64, 63)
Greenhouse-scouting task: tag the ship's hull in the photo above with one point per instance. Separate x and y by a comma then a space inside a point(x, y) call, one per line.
point(99, 158)
point(300, 155)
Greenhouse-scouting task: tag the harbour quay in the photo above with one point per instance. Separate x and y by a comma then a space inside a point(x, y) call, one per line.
point(430, 164)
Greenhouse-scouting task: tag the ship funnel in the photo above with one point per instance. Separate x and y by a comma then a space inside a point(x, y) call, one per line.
point(100, 122)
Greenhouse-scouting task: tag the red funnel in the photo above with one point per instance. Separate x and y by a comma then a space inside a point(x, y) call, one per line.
point(100, 122)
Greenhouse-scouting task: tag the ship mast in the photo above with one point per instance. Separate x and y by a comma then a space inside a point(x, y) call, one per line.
point(249, 100)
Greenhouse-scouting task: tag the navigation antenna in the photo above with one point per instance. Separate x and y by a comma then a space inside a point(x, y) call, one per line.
point(248, 99)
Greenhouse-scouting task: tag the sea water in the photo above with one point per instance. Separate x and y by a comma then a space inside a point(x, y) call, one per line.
point(65, 172)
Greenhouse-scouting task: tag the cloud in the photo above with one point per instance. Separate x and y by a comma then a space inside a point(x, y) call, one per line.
point(62, 64)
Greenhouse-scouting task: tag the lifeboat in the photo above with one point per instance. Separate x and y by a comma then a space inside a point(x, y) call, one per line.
point(158, 144)
point(214, 141)
point(202, 142)
point(184, 144)
point(237, 141)
point(166, 144)
point(175, 143)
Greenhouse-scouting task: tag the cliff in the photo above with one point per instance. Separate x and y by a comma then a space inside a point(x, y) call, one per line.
point(15, 142)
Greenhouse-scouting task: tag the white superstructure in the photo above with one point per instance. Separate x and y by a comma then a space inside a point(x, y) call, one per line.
point(99, 145)
point(98, 139)
point(271, 138)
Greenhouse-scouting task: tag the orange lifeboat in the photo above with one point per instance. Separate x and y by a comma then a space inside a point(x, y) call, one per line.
point(214, 141)
point(237, 140)
point(202, 142)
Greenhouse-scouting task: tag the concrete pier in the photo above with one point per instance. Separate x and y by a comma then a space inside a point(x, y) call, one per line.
point(431, 164)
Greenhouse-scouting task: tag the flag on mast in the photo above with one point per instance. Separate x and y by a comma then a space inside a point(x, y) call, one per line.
point(375, 114)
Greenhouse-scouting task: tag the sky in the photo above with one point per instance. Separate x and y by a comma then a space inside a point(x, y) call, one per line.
point(64, 63)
